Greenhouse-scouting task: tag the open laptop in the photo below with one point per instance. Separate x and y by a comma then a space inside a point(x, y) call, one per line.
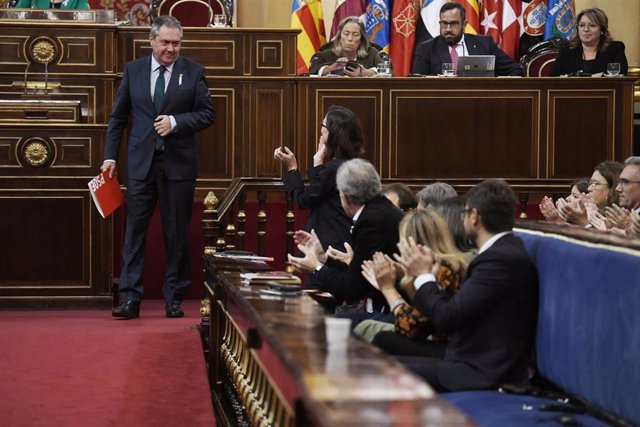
point(476, 66)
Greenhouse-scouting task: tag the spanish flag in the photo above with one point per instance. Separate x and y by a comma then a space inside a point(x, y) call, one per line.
point(307, 16)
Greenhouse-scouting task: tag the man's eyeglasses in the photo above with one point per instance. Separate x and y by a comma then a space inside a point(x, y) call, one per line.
point(453, 24)
point(625, 181)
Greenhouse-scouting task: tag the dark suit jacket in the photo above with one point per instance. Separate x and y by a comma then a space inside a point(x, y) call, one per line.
point(430, 55)
point(490, 322)
point(187, 98)
point(327, 57)
point(375, 230)
point(570, 60)
point(327, 217)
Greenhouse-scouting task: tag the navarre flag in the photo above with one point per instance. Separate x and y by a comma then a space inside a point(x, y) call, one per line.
point(376, 22)
point(346, 8)
point(307, 16)
point(403, 33)
point(561, 19)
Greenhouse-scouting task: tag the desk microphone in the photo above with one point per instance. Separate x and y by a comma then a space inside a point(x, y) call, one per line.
point(464, 51)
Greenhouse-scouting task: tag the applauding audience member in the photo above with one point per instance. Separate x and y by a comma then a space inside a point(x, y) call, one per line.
point(340, 140)
point(491, 321)
point(602, 193)
point(375, 228)
point(618, 217)
point(427, 227)
point(549, 210)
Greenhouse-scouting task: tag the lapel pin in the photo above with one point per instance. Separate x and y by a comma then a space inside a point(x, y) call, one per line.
point(180, 80)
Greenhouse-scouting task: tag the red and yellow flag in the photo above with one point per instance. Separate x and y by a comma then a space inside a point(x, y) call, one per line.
point(307, 16)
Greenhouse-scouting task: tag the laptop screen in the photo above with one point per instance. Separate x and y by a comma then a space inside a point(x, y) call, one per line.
point(476, 66)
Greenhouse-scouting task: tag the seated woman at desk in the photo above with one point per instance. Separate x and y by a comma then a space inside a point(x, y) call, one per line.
point(591, 48)
point(53, 4)
point(351, 45)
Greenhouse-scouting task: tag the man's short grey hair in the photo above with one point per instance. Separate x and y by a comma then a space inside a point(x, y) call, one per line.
point(167, 20)
point(633, 160)
point(433, 193)
point(358, 180)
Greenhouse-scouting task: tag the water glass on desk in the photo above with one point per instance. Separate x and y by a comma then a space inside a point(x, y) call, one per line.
point(220, 20)
point(384, 69)
point(447, 69)
point(613, 69)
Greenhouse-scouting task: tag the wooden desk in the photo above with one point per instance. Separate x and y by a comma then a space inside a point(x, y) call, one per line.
point(269, 362)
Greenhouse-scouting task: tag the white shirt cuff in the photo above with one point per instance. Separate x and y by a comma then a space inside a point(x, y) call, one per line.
point(422, 279)
point(173, 123)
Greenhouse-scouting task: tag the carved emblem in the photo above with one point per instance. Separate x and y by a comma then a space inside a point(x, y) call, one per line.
point(43, 51)
point(36, 153)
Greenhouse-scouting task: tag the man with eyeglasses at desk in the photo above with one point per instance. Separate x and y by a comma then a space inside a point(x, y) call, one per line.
point(627, 215)
point(453, 43)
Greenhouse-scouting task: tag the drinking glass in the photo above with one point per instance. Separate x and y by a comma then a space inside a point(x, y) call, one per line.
point(219, 20)
point(447, 69)
point(613, 68)
point(384, 69)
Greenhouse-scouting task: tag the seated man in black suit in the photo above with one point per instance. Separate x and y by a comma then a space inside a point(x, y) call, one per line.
point(430, 54)
point(491, 321)
point(375, 228)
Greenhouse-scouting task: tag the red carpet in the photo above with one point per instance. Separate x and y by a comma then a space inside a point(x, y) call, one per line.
point(81, 368)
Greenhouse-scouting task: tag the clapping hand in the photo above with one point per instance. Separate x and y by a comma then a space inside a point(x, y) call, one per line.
point(573, 212)
point(318, 158)
point(344, 257)
point(310, 246)
point(286, 157)
point(417, 259)
point(617, 217)
point(549, 210)
point(634, 228)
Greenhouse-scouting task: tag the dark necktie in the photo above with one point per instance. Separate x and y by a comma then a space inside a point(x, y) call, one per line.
point(158, 97)
point(158, 93)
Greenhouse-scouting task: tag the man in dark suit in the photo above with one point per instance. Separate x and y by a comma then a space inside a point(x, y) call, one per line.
point(375, 228)
point(168, 99)
point(430, 54)
point(491, 321)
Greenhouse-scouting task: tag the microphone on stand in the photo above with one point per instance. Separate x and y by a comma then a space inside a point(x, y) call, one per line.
point(26, 75)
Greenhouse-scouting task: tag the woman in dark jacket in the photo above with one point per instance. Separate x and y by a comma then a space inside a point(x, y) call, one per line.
point(340, 140)
point(591, 48)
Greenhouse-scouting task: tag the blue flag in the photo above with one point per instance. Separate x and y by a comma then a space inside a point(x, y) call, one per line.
point(561, 19)
point(376, 22)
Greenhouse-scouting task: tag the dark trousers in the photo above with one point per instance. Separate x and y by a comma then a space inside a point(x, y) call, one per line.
point(176, 201)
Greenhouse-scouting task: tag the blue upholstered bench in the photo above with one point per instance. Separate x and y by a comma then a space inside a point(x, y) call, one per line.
point(588, 337)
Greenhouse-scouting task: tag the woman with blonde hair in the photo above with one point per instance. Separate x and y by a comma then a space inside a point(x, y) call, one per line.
point(428, 228)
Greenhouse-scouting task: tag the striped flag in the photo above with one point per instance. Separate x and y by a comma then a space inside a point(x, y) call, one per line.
point(307, 16)
point(473, 15)
point(346, 8)
point(376, 22)
point(403, 34)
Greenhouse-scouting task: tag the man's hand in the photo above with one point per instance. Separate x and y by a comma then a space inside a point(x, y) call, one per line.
point(310, 246)
point(162, 125)
point(417, 259)
point(109, 165)
point(344, 257)
point(286, 157)
point(617, 217)
point(634, 228)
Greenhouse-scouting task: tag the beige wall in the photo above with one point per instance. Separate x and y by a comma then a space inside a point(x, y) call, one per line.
point(623, 18)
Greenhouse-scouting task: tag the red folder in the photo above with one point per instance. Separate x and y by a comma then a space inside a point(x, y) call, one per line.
point(106, 193)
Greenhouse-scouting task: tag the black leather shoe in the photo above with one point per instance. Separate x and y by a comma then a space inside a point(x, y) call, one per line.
point(127, 310)
point(174, 310)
